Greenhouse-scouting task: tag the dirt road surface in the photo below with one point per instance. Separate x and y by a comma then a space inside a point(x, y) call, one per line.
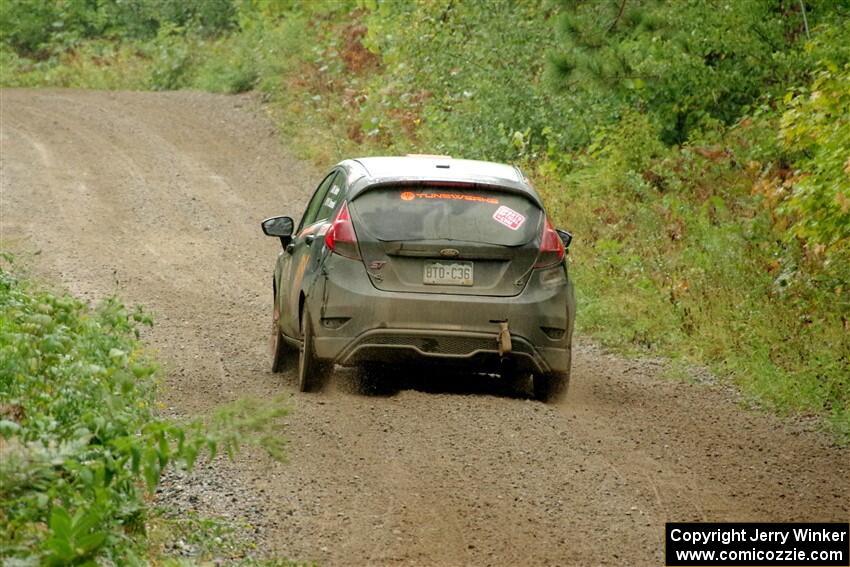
point(157, 197)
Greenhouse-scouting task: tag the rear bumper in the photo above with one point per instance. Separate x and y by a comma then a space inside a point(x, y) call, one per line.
point(356, 323)
point(470, 350)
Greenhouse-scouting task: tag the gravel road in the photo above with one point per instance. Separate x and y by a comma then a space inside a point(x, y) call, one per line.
point(158, 197)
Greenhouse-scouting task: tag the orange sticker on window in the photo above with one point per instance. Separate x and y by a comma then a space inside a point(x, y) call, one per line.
point(409, 196)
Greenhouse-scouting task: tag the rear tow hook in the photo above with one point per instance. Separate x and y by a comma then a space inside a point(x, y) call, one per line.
point(504, 339)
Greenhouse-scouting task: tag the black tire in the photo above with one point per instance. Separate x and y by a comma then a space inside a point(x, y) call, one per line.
point(280, 351)
point(311, 371)
point(551, 387)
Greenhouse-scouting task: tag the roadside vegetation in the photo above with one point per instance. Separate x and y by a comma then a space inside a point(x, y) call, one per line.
point(81, 448)
point(699, 151)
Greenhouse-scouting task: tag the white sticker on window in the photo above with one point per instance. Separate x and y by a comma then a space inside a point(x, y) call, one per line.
point(509, 217)
point(329, 203)
point(334, 190)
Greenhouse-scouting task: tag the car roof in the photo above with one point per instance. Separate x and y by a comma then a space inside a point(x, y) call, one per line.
point(370, 172)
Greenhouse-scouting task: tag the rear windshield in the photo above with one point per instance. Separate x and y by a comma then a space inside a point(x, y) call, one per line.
point(437, 213)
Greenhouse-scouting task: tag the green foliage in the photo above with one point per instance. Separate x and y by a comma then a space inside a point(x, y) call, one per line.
point(473, 74)
point(171, 51)
point(26, 25)
point(172, 61)
point(96, 64)
point(34, 27)
point(680, 256)
point(628, 146)
point(232, 73)
point(74, 42)
point(816, 130)
point(79, 443)
point(687, 62)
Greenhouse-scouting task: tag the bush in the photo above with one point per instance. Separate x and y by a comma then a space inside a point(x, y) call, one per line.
point(76, 392)
point(688, 62)
point(469, 78)
point(35, 27)
point(172, 61)
point(79, 442)
point(27, 25)
point(816, 132)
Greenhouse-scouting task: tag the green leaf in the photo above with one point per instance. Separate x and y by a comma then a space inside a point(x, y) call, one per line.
point(60, 523)
point(89, 544)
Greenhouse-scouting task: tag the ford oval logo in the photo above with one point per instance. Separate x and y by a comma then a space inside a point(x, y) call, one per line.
point(449, 253)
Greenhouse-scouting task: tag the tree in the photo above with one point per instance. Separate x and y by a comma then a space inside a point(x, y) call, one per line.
point(687, 62)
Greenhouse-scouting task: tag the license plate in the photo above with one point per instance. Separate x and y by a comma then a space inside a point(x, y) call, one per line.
point(448, 273)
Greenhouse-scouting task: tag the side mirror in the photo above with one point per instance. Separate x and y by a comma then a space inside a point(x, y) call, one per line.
point(566, 238)
point(281, 227)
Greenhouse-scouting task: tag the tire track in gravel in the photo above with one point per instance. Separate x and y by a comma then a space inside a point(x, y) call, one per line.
point(157, 197)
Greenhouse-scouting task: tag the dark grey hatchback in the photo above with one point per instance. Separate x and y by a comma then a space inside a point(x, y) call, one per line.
point(421, 259)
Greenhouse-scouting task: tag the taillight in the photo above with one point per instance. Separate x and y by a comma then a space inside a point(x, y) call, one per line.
point(340, 237)
point(551, 247)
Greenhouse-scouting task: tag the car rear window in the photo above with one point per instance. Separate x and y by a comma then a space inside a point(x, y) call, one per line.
point(442, 213)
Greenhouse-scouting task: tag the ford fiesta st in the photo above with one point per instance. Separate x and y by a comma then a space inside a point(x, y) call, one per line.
point(421, 260)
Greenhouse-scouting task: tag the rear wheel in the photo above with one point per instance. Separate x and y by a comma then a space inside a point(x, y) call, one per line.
point(550, 387)
point(280, 351)
point(311, 371)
